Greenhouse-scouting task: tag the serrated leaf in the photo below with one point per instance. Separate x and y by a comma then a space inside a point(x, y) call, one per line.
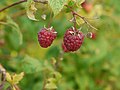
point(15, 27)
point(31, 9)
point(31, 65)
point(56, 5)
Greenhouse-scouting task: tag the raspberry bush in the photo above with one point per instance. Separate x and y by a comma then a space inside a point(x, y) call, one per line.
point(59, 45)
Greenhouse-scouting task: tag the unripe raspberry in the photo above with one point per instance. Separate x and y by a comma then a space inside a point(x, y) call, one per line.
point(46, 37)
point(91, 35)
point(73, 39)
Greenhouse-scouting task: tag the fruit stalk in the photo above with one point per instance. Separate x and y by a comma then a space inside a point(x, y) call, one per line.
point(74, 20)
point(83, 18)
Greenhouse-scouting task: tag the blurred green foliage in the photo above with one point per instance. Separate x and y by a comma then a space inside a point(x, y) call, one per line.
point(96, 66)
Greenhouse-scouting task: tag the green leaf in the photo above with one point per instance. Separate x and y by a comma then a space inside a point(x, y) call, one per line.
point(51, 80)
point(57, 75)
point(15, 29)
point(71, 3)
point(56, 5)
point(31, 65)
point(55, 52)
point(51, 86)
point(17, 77)
point(31, 9)
point(38, 85)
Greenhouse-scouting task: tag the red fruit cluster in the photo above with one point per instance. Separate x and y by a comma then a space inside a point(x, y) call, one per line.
point(73, 39)
point(46, 37)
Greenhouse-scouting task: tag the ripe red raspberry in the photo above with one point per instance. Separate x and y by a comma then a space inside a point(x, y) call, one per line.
point(73, 39)
point(91, 35)
point(64, 48)
point(46, 37)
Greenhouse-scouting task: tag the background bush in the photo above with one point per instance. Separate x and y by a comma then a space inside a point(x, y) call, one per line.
point(96, 66)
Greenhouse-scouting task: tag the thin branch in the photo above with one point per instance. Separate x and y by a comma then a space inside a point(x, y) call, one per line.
point(16, 3)
point(83, 18)
point(22, 1)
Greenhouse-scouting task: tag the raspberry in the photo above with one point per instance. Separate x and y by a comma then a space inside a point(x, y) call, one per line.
point(46, 37)
point(87, 6)
point(73, 39)
point(64, 48)
point(91, 35)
